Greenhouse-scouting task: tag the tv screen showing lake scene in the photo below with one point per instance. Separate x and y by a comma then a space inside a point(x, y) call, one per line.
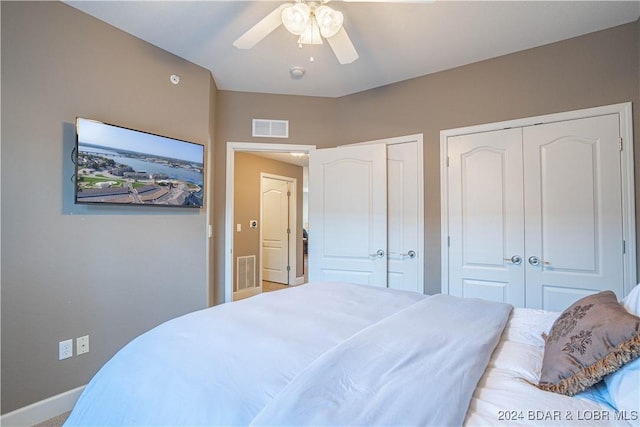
point(117, 165)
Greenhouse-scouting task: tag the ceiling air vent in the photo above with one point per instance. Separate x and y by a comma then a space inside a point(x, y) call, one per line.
point(271, 128)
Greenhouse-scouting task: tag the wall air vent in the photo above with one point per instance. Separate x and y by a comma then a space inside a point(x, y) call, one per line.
point(246, 273)
point(270, 128)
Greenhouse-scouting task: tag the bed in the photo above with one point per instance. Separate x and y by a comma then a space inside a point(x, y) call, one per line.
point(344, 354)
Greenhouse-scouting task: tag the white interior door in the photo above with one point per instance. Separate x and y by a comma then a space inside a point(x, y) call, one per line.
point(573, 202)
point(486, 235)
point(403, 210)
point(348, 215)
point(275, 229)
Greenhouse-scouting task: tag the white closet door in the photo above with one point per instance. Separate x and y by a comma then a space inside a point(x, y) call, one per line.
point(403, 209)
point(486, 234)
point(573, 202)
point(348, 215)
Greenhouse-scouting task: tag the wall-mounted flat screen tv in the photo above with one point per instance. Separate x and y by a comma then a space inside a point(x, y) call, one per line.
point(118, 165)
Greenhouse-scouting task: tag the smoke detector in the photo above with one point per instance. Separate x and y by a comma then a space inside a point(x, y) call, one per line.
point(297, 72)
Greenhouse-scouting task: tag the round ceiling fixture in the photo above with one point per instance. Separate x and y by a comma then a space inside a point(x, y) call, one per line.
point(297, 72)
point(175, 79)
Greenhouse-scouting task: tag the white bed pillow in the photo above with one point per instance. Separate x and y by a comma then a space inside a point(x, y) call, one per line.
point(624, 385)
point(632, 301)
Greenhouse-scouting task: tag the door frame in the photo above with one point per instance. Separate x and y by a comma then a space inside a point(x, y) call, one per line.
point(232, 147)
point(419, 140)
point(627, 177)
point(292, 236)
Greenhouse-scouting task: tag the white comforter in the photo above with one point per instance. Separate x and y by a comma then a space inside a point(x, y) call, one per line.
point(347, 354)
point(418, 367)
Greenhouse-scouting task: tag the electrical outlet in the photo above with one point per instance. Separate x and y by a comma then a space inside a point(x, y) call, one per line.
point(82, 345)
point(65, 349)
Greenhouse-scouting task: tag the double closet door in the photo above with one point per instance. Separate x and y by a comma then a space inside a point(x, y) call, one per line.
point(535, 213)
point(365, 214)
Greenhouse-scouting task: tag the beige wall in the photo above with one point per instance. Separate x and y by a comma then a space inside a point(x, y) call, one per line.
point(596, 69)
point(70, 270)
point(247, 170)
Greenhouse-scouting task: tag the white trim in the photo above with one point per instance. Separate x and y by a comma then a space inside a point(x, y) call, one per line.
point(209, 225)
point(628, 195)
point(418, 138)
point(42, 410)
point(299, 280)
point(232, 147)
point(293, 235)
point(444, 210)
point(627, 176)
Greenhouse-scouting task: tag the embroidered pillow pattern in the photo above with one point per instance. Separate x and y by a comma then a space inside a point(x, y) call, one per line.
point(578, 342)
point(568, 320)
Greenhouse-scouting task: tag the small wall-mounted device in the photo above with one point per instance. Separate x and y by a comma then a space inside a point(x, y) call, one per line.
point(253, 223)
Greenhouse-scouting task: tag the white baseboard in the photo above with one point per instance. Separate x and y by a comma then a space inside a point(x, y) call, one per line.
point(42, 410)
point(300, 280)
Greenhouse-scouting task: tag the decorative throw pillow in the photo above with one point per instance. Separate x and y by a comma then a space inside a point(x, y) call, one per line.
point(592, 338)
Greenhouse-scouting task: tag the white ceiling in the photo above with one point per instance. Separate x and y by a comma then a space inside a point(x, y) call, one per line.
point(395, 40)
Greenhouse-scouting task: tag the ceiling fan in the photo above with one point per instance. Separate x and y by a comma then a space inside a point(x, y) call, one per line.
point(311, 21)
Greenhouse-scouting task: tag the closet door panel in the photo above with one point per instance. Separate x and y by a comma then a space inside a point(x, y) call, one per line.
point(486, 216)
point(348, 215)
point(573, 210)
point(402, 217)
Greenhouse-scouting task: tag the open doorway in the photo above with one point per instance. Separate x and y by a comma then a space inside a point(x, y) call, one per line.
point(280, 152)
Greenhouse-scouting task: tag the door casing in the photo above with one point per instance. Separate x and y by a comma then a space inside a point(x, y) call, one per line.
point(232, 147)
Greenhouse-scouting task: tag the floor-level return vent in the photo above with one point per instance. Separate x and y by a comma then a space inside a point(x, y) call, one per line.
point(245, 272)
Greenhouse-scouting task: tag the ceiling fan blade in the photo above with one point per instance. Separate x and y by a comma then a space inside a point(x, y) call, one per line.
point(342, 47)
point(261, 30)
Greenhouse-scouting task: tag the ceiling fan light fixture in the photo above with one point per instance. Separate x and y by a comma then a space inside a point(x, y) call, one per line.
point(311, 34)
point(329, 20)
point(311, 21)
point(296, 18)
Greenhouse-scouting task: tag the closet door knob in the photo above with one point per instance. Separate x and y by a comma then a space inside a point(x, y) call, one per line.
point(516, 259)
point(410, 254)
point(535, 261)
point(379, 253)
